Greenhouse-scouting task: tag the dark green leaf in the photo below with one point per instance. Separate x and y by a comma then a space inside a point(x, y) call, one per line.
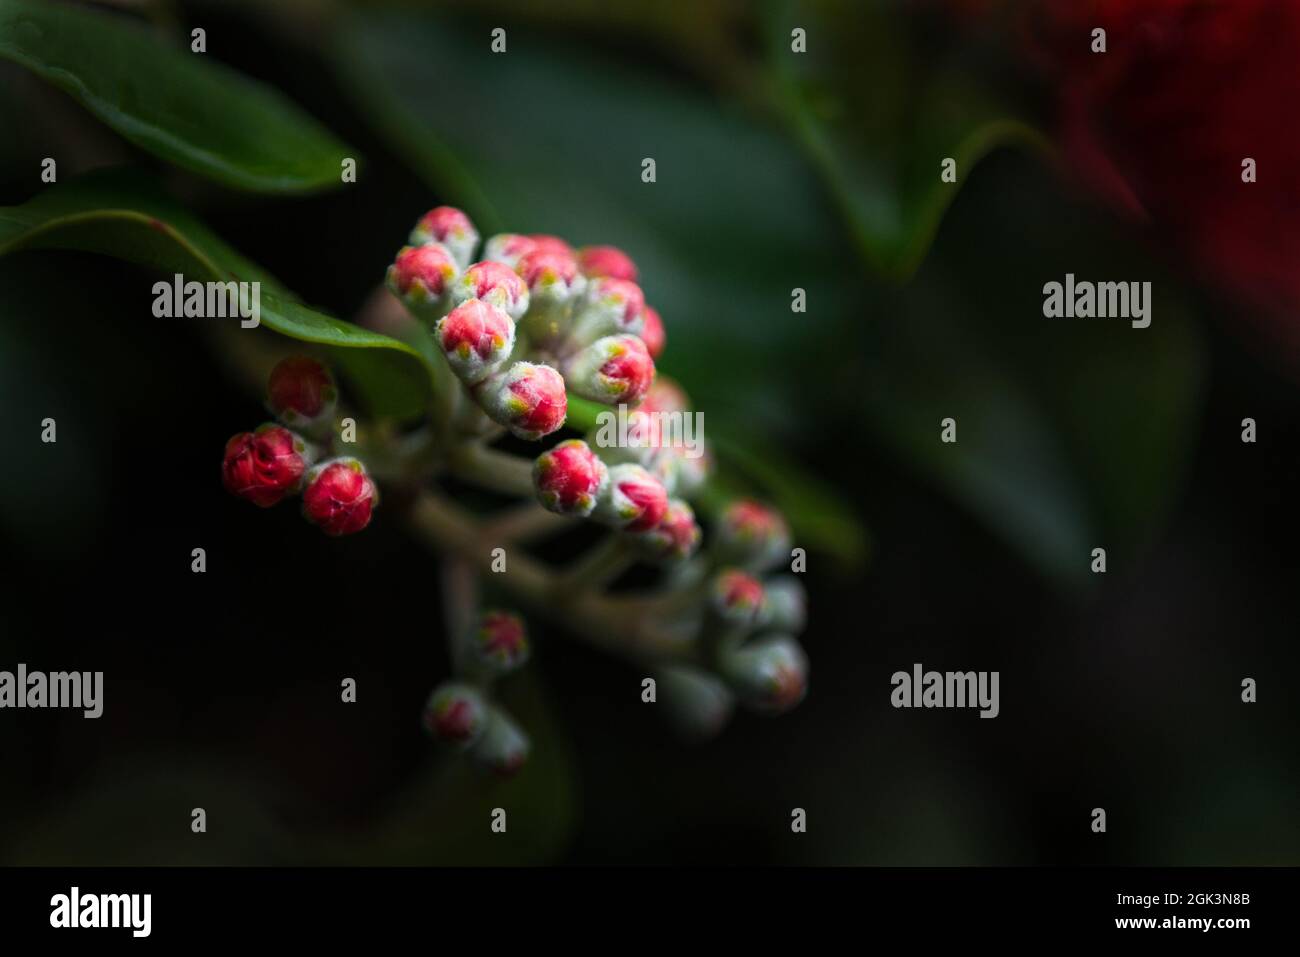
point(117, 213)
point(182, 106)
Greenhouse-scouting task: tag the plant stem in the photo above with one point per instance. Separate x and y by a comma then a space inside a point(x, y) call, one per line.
point(499, 471)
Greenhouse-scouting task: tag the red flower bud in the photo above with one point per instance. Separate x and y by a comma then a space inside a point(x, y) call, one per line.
point(476, 338)
point(652, 332)
point(494, 283)
point(608, 307)
point(420, 275)
point(770, 675)
point(739, 598)
point(633, 499)
point(456, 714)
point(450, 227)
point(664, 395)
point(606, 261)
point(503, 749)
point(612, 369)
point(508, 248)
point(752, 534)
point(527, 399)
point(551, 244)
point(265, 466)
point(677, 535)
point(500, 641)
point(301, 392)
point(552, 275)
point(339, 497)
point(569, 478)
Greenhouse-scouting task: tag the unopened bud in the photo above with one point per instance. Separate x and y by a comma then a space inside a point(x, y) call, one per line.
point(697, 703)
point(456, 714)
point(569, 478)
point(652, 332)
point(611, 370)
point(508, 248)
point(452, 228)
point(504, 747)
point(420, 277)
point(339, 496)
point(265, 466)
point(788, 602)
point(301, 393)
point(752, 535)
point(676, 536)
point(608, 307)
point(632, 500)
point(476, 338)
point(606, 261)
point(528, 399)
point(769, 675)
point(499, 641)
point(494, 283)
point(739, 598)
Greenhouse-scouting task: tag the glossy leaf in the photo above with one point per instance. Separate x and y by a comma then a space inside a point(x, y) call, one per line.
point(117, 213)
point(184, 107)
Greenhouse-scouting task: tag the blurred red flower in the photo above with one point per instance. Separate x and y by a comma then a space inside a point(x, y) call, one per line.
point(1162, 121)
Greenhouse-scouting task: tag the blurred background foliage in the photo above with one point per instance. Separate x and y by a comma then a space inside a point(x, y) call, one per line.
point(775, 170)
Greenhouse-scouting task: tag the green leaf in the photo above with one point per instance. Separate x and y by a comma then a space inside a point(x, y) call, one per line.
point(184, 107)
point(117, 213)
point(877, 128)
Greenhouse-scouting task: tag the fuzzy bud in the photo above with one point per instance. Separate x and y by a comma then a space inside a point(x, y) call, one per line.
point(476, 338)
point(788, 603)
point(450, 227)
point(608, 307)
point(739, 598)
point(551, 274)
point(770, 675)
point(633, 499)
point(420, 277)
point(265, 466)
point(697, 703)
point(569, 478)
point(528, 399)
point(552, 244)
point(499, 641)
point(676, 537)
point(606, 261)
point(508, 248)
point(301, 393)
point(339, 497)
point(652, 332)
point(456, 714)
point(494, 283)
point(504, 747)
point(693, 470)
point(753, 535)
point(611, 370)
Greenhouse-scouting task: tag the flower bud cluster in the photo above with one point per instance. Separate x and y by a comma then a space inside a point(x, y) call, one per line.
point(278, 460)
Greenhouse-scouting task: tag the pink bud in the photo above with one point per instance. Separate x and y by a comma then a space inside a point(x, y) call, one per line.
point(752, 534)
point(738, 597)
point(301, 392)
point(608, 307)
point(420, 275)
point(339, 497)
point(508, 248)
point(456, 714)
point(476, 338)
point(264, 467)
point(552, 244)
point(632, 500)
point(450, 227)
point(527, 399)
point(569, 478)
point(652, 332)
point(677, 535)
point(770, 675)
point(606, 261)
point(500, 641)
point(552, 275)
point(494, 283)
point(503, 748)
point(612, 370)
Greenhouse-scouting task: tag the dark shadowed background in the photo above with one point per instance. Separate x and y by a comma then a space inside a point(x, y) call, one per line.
point(775, 170)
